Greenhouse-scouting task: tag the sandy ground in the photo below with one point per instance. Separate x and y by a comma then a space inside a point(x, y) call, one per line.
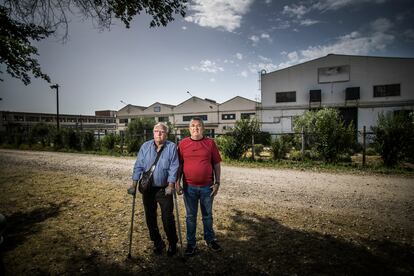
point(269, 221)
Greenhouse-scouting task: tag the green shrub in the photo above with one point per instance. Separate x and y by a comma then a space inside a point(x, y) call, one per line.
point(394, 137)
point(109, 141)
point(258, 148)
point(279, 147)
point(326, 133)
point(370, 151)
point(71, 139)
point(88, 140)
point(229, 147)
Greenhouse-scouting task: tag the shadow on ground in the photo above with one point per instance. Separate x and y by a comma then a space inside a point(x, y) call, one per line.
point(253, 245)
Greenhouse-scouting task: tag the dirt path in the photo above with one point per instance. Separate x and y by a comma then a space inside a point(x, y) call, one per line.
point(261, 215)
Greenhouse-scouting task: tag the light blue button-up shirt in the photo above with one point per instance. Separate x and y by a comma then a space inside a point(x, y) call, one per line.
point(167, 166)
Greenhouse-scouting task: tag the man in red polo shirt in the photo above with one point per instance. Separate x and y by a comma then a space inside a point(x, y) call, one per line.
point(199, 167)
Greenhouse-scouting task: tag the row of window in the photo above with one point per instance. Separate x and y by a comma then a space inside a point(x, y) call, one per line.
point(388, 90)
point(51, 119)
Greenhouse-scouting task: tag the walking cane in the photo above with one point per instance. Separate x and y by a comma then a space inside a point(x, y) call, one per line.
point(178, 223)
point(132, 224)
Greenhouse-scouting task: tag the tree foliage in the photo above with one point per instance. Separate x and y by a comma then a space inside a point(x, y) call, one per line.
point(394, 137)
point(22, 21)
point(236, 143)
point(326, 133)
point(138, 131)
point(16, 50)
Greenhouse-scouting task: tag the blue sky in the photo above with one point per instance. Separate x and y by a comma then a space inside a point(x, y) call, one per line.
point(215, 52)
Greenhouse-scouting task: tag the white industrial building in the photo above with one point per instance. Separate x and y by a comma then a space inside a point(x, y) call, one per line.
point(361, 87)
point(218, 118)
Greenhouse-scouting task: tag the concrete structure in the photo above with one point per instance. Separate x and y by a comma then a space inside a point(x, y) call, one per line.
point(361, 87)
point(25, 120)
point(218, 118)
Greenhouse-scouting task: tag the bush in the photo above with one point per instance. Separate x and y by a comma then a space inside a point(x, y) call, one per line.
point(109, 141)
point(88, 140)
point(39, 134)
point(138, 131)
point(71, 139)
point(326, 133)
point(394, 137)
point(280, 147)
point(229, 147)
point(258, 148)
point(263, 138)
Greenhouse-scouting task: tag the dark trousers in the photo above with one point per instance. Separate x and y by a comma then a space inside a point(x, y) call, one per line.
point(151, 200)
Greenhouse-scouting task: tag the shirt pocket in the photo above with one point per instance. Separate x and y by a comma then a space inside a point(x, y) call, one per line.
point(164, 164)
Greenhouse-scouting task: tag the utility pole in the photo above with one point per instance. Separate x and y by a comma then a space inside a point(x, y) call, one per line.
point(56, 86)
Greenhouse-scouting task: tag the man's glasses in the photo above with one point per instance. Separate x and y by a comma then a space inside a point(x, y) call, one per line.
point(159, 131)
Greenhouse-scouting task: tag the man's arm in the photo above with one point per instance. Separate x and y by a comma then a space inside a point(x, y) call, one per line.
point(217, 175)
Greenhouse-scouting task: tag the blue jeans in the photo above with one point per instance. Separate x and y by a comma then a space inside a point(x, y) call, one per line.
point(193, 195)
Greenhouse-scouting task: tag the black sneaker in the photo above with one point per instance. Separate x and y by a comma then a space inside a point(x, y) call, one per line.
point(190, 251)
point(172, 249)
point(159, 247)
point(214, 246)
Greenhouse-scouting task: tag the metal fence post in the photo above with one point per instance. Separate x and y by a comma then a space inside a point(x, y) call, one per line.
point(364, 135)
point(253, 146)
point(303, 144)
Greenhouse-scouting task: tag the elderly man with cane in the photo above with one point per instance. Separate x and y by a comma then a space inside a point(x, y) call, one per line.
point(159, 157)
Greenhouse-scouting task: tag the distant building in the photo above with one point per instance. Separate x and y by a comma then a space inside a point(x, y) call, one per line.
point(25, 120)
point(361, 87)
point(218, 118)
point(105, 113)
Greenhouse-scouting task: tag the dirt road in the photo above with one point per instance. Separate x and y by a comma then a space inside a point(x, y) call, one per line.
point(269, 221)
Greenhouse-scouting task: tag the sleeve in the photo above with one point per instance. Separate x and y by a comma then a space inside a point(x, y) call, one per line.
point(215, 154)
point(174, 164)
point(139, 166)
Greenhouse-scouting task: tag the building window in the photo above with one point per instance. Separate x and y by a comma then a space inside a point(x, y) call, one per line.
point(157, 108)
point(286, 97)
point(387, 90)
point(276, 120)
point(188, 118)
point(228, 116)
point(247, 115)
point(163, 119)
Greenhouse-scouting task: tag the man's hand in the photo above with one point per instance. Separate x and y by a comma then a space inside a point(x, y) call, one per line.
point(215, 188)
point(178, 188)
point(133, 188)
point(170, 189)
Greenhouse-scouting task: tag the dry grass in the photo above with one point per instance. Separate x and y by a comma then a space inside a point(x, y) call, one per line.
point(66, 224)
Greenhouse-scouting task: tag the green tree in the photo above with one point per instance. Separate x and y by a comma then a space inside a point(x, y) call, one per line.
point(235, 144)
point(40, 133)
point(88, 140)
point(109, 141)
point(22, 22)
point(326, 132)
point(138, 131)
point(394, 137)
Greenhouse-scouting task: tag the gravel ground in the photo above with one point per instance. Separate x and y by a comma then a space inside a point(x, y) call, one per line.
point(264, 207)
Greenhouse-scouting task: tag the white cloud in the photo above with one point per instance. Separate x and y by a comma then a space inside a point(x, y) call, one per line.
point(308, 22)
point(354, 43)
point(184, 28)
point(295, 10)
point(256, 38)
point(244, 74)
point(218, 13)
point(206, 66)
point(268, 1)
point(265, 59)
point(212, 80)
point(239, 56)
point(324, 5)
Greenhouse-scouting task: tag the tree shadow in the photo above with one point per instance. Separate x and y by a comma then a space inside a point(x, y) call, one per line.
point(273, 248)
point(21, 225)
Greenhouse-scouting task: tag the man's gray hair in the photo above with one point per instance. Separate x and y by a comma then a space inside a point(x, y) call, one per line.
point(196, 119)
point(163, 125)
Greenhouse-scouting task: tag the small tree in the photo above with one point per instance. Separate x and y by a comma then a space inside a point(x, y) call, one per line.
point(40, 133)
point(394, 137)
point(137, 133)
point(109, 141)
point(241, 138)
point(88, 140)
point(326, 132)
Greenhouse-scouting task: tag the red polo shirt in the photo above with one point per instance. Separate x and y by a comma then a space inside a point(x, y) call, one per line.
point(198, 158)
